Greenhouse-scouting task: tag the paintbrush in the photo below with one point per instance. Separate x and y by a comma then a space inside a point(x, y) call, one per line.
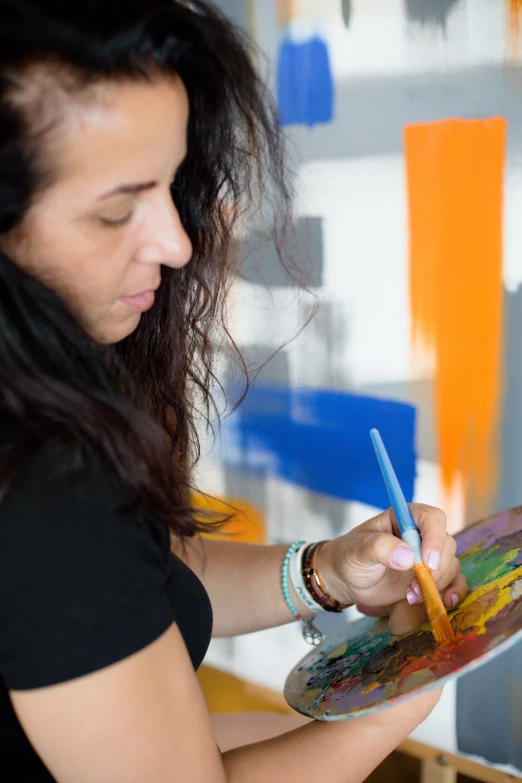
point(435, 608)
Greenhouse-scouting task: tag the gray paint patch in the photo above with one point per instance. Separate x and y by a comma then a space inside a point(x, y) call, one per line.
point(260, 262)
point(430, 12)
point(264, 363)
point(236, 10)
point(246, 485)
point(489, 701)
point(372, 112)
point(347, 12)
point(421, 394)
point(489, 718)
point(330, 324)
point(332, 509)
point(510, 480)
point(268, 367)
point(240, 485)
point(321, 361)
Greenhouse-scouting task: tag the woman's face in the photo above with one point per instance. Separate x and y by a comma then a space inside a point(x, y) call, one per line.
point(100, 234)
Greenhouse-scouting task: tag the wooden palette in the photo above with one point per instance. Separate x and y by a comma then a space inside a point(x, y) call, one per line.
point(361, 668)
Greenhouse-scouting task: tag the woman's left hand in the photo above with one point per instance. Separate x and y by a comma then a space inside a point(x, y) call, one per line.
point(372, 567)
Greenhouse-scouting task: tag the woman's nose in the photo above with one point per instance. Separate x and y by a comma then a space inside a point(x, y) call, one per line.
point(165, 241)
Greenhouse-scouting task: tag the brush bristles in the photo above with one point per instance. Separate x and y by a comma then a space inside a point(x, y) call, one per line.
point(436, 610)
point(442, 629)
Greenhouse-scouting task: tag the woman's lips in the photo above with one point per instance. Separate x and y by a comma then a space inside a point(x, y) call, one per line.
point(140, 302)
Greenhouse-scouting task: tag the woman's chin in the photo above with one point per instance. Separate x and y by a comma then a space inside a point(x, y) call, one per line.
point(108, 334)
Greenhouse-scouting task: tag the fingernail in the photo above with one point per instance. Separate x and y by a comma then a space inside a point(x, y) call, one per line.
point(411, 597)
point(403, 557)
point(417, 589)
point(454, 599)
point(433, 559)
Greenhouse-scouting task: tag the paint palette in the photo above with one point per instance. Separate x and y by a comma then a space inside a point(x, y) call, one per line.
point(361, 668)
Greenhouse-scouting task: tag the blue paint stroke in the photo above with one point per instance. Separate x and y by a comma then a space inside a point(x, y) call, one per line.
point(319, 439)
point(304, 82)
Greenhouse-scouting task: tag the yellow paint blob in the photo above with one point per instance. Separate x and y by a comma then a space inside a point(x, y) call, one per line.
point(503, 587)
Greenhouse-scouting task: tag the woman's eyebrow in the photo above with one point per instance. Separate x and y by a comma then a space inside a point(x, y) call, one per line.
point(128, 189)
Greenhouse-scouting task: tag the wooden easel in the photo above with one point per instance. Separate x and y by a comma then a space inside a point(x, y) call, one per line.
point(437, 767)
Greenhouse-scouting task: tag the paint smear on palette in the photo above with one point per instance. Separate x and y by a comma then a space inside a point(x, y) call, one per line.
point(514, 23)
point(245, 522)
point(455, 173)
point(305, 88)
point(319, 439)
point(360, 668)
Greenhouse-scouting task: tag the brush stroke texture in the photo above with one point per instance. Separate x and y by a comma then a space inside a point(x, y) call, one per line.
point(305, 87)
point(430, 13)
point(455, 175)
point(514, 16)
point(319, 439)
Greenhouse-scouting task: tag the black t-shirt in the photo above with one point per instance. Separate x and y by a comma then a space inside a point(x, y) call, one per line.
point(82, 585)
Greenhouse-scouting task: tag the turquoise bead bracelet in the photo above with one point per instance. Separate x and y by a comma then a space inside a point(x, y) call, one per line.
point(284, 579)
point(311, 633)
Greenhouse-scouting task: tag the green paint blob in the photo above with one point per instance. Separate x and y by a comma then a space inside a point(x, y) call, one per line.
point(481, 568)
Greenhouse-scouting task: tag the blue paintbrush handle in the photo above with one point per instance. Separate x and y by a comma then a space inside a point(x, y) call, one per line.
point(407, 526)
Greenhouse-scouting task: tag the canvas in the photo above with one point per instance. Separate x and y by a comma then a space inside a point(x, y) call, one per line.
point(405, 124)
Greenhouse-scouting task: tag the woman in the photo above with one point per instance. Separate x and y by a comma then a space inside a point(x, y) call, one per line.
point(131, 134)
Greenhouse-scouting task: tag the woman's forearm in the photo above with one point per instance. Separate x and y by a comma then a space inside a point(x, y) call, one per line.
point(233, 730)
point(343, 752)
point(243, 582)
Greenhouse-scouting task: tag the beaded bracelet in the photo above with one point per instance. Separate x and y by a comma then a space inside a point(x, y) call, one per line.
point(311, 633)
point(284, 578)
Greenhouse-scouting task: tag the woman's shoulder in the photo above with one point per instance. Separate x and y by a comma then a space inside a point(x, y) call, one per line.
point(59, 484)
point(82, 569)
point(35, 469)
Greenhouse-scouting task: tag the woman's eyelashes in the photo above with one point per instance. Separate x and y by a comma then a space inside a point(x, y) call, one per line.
point(119, 221)
point(125, 217)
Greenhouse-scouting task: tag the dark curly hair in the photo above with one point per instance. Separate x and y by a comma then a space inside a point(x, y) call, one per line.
point(135, 402)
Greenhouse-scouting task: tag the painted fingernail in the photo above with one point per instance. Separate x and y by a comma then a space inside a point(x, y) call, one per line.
point(454, 599)
point(403, 557)
point(417, 589)
point(433, 559)
point(411, 597)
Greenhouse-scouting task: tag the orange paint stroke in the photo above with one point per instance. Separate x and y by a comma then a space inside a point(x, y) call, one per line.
point(290, 10)
point(455, 173)
point(514, 23)
point(286, 11)
point(246, 522)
